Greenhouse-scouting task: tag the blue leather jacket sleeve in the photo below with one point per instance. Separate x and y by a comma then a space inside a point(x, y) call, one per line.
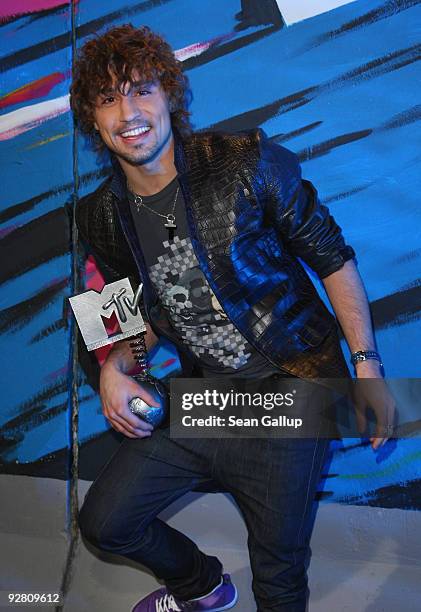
point(305, 226)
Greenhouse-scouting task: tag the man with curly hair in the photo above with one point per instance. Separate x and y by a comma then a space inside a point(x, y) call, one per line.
point(213, 225)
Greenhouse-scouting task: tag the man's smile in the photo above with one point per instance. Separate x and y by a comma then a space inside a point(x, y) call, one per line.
point(135, 133)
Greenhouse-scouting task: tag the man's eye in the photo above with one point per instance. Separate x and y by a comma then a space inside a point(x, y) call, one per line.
point(107, 101)
point(143, 92)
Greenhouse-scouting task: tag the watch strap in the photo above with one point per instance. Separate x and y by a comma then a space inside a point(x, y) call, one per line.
point(364, 355)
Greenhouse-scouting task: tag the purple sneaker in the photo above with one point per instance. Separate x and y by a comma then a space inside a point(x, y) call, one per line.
point(223, 597)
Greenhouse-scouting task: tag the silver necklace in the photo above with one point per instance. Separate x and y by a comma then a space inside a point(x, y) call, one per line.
point(169, 217)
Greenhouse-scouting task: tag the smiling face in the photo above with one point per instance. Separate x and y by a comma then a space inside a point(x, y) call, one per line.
point(134, 121)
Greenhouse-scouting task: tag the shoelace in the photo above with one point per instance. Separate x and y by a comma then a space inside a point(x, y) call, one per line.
point(167, 603)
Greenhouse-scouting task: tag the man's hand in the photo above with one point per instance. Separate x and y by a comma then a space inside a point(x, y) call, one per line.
point(370, 390)
point(116, 390)
point(347, 295)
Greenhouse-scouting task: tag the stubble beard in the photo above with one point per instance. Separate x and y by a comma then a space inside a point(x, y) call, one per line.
point(140, 156)
point(143, 153)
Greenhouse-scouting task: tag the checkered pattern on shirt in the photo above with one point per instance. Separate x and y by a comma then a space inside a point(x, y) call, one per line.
point(209, 335)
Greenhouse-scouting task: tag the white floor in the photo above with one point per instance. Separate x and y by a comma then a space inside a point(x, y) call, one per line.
point(364, 559)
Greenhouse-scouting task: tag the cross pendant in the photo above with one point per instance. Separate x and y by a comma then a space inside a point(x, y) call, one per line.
point(170, 224)
point(138, 200)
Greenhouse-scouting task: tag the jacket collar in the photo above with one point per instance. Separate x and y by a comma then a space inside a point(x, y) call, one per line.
point(118, 183)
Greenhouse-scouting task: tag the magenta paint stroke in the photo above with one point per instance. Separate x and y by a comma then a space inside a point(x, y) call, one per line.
point(35, 89)
point(7, 230)
point(16, 8)
point(198, 48)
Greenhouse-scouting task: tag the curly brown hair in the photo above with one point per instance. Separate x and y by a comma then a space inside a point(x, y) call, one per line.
point(116, 54)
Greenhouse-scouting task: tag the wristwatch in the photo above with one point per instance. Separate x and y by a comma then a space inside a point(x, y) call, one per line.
point(364, 355)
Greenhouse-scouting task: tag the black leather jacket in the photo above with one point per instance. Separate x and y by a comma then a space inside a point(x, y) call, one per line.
point(250, 217)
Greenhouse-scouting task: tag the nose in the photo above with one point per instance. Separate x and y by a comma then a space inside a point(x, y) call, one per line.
point(129, 108)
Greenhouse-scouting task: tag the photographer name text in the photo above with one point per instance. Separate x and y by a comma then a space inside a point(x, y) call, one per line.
point(233, 421)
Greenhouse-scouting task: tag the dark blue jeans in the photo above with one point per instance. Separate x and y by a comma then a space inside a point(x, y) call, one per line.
point(273, 481)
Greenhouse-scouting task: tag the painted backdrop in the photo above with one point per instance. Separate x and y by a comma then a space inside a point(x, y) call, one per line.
point(336, 83)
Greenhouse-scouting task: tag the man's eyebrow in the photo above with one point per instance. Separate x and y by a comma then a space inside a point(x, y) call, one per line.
point(143, 83)
point(107, 90)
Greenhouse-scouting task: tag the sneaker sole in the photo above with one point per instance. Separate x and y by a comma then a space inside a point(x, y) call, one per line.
point(230, 605)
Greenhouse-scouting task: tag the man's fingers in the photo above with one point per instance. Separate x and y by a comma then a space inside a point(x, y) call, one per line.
point(131, 432)
point(116, 425)
point(382, 434)
point(136, 389)
point(124, 421)
point(122, 412)
point(377, 443)
point(135, 425)
point(132, 419)
point(115, 400)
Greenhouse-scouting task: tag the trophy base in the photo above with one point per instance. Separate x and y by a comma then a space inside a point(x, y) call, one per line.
point(151, 414)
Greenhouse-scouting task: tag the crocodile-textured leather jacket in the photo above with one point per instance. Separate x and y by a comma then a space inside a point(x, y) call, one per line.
point(250, 217)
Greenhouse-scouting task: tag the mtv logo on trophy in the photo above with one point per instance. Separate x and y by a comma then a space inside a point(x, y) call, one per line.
point(117, 303)
point(116, 300)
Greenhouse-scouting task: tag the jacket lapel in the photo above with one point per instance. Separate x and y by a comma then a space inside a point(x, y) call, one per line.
point(214, 192)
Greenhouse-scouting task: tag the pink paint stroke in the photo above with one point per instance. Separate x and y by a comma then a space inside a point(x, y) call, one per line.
point(60, 373)
point(36, 89)
point(16, 8)
point(7, 230)
point(95, 280)
point(164, 364)
point(198, 48)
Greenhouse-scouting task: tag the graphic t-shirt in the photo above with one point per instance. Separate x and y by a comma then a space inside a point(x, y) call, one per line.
point(193, 309)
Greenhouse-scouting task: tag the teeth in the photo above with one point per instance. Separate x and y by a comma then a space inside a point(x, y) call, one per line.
point(135, 132)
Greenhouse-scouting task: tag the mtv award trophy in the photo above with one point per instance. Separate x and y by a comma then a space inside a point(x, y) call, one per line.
point(118, 300)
